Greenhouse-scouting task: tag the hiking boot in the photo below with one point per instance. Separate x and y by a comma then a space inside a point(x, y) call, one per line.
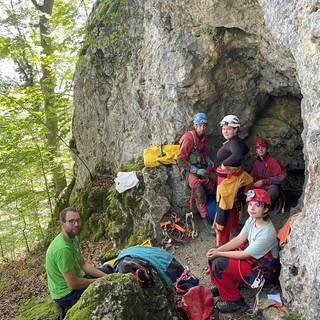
point(232, 306)
point(214, 290)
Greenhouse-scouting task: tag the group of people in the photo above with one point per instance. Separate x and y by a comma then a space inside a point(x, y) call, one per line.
point(69, 274)
point(228, 177)
point(256, 244)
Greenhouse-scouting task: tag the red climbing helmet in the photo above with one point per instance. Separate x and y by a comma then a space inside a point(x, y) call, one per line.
point(261, 142)
point(259, 195)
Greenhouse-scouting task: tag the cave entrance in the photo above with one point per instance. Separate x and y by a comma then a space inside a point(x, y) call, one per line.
point(279, 121)
point(266, 98)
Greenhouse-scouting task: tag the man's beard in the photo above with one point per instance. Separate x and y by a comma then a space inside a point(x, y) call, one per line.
point(71, 234)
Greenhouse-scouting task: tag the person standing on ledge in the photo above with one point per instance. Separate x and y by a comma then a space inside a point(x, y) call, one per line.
point(195, 165)
point(231, 177)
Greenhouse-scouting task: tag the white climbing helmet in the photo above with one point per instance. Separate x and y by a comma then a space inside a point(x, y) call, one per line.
point(231, 121)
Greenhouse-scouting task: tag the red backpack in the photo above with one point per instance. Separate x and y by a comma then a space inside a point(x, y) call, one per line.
point(197, 304)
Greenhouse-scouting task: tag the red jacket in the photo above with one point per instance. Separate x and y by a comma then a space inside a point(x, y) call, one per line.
point(190, 143)
point(268, 169)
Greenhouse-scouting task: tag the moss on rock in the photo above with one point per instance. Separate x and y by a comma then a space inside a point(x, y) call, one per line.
point(124, 213)
point(108, 28)
point(120, 296)
point(109, 214)
point(95, 294)
point(138, 237)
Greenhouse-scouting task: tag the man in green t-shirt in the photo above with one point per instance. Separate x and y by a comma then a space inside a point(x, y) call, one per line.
point(67, 270)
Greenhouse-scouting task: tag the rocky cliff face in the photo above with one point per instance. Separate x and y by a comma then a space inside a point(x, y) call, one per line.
point(147, 66)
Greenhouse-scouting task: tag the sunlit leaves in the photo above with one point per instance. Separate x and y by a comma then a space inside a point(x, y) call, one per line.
point(35, 114)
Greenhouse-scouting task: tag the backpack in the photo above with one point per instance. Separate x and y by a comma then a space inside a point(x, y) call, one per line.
point(197, 304)
point(163, 262)
point(142, 269)
point(185, 282)
point(284, 232)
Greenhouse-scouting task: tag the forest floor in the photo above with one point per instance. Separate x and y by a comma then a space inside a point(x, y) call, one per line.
point(24, 279)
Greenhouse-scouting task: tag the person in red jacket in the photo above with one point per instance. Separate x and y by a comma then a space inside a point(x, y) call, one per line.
point(195, 165)
point(267, 172)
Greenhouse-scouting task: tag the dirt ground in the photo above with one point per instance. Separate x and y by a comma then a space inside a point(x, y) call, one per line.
point(192, 253)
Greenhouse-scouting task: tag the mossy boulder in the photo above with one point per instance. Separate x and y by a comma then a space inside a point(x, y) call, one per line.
point(39, 309)
point(112, 215)
point(118, 297)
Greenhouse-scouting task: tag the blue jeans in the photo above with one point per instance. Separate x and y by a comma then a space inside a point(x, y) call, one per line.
point(69, 300)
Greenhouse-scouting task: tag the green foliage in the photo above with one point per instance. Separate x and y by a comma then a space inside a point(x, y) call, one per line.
point(35, 116)
point(5, 284)
point(291, 316)
point(39, 309)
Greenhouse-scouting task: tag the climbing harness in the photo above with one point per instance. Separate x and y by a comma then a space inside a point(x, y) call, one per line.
point(257, 284)
point(175, 230)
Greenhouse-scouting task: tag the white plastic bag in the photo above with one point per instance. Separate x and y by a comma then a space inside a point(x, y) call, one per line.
point(125, 181)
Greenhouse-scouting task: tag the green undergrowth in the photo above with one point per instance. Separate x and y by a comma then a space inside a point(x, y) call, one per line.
point(39, 309)
point(4, 284)
point(291, 316)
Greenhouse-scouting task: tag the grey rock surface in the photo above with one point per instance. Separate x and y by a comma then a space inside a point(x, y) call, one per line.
point(120, 297)
point(171, 59)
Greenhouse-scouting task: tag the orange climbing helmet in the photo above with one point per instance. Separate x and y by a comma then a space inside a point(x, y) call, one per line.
point(261, 142)
point(259, 195)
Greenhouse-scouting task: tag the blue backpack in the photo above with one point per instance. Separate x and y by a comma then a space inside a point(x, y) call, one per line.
point(169, 270)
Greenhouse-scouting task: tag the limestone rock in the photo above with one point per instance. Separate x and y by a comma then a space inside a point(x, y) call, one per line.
point(147, 66)
point(120, 297)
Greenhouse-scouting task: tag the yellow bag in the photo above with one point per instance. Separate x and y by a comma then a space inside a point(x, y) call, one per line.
point(152, 156)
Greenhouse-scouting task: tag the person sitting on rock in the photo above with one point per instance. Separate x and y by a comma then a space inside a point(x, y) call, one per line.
point(228, 264)
point(68, 273)
point(195, 165)
point(267, 172)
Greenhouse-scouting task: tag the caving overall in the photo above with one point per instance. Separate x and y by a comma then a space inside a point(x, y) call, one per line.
point(193, 153)
point(230, 179)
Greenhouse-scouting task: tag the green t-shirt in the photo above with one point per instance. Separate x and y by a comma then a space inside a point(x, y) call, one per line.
point(261, 240)
point(62, 256)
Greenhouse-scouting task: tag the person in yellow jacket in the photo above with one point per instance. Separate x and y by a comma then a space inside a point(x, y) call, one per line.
point(230, 177)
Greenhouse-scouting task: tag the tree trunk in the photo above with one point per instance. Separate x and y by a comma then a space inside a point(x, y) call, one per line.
point(48, 86)
point(25, 236)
